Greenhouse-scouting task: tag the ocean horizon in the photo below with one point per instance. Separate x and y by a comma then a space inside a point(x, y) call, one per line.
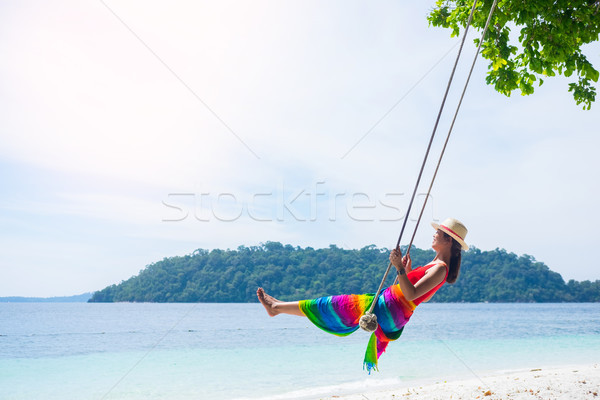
point(235, 351)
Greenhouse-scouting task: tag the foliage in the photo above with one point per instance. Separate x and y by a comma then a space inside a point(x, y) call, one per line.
point(552, 39)
point(292, 273)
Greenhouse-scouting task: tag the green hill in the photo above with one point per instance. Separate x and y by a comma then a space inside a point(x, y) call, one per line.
point(80, 298)
point(292, 273)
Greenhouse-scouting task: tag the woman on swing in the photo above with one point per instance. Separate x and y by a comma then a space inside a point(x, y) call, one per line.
point(340, 314)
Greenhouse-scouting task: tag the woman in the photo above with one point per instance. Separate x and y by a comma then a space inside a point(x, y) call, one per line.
point(340, 315)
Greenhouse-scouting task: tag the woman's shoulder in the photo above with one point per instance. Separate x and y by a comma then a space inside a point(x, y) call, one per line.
point(436, 263)
point(435, 266)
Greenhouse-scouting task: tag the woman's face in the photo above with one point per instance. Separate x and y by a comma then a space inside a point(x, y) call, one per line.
point(440, 240)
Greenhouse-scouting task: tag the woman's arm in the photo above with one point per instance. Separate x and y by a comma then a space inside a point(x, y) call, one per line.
point(432, 277)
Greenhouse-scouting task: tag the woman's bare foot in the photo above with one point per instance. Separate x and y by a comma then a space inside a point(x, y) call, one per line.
point(268, 302)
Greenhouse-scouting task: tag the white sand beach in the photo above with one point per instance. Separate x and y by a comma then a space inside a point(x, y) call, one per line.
point(572, 383)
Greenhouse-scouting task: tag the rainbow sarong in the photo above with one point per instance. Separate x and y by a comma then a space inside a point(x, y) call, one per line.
point(339, 315)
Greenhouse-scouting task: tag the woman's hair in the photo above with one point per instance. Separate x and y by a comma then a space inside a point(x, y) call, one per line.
point(455, 258)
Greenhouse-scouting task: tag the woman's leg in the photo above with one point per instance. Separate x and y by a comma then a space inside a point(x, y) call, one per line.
point(274, 306)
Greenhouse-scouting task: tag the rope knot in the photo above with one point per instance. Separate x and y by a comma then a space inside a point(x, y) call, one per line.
point(368, 322)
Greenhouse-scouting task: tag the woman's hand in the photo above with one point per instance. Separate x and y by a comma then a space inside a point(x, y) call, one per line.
point(396, 259)
point(406, 260)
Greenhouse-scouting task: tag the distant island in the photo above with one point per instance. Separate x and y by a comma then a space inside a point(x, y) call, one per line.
point(80, 298)
point(288, 272)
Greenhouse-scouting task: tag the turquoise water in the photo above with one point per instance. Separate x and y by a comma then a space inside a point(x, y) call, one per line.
point(227, 351)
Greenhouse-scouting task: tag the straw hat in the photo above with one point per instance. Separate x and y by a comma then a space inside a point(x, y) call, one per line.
point(455, 229)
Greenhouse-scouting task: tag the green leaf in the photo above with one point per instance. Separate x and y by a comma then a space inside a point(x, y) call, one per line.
point(498, 63)
point(553, 38)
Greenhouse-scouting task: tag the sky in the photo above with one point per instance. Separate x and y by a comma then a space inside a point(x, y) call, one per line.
point(134, 131)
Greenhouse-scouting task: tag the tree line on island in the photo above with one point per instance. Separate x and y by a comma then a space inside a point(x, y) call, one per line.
point(293, 273)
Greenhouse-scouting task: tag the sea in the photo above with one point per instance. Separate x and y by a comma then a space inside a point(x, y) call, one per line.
point(151, 351)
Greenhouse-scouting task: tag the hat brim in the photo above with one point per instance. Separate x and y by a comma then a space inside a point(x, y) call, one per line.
point(453, 235)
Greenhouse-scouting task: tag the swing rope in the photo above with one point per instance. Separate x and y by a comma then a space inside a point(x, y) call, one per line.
point(492, 9)
point(368, 321)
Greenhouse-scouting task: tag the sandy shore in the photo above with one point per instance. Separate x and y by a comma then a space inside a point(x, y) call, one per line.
point(573, 383)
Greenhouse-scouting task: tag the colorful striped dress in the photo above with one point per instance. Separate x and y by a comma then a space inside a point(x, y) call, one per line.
point(340, 314)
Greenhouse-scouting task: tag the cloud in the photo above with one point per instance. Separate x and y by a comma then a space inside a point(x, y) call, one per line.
point(217, 124)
